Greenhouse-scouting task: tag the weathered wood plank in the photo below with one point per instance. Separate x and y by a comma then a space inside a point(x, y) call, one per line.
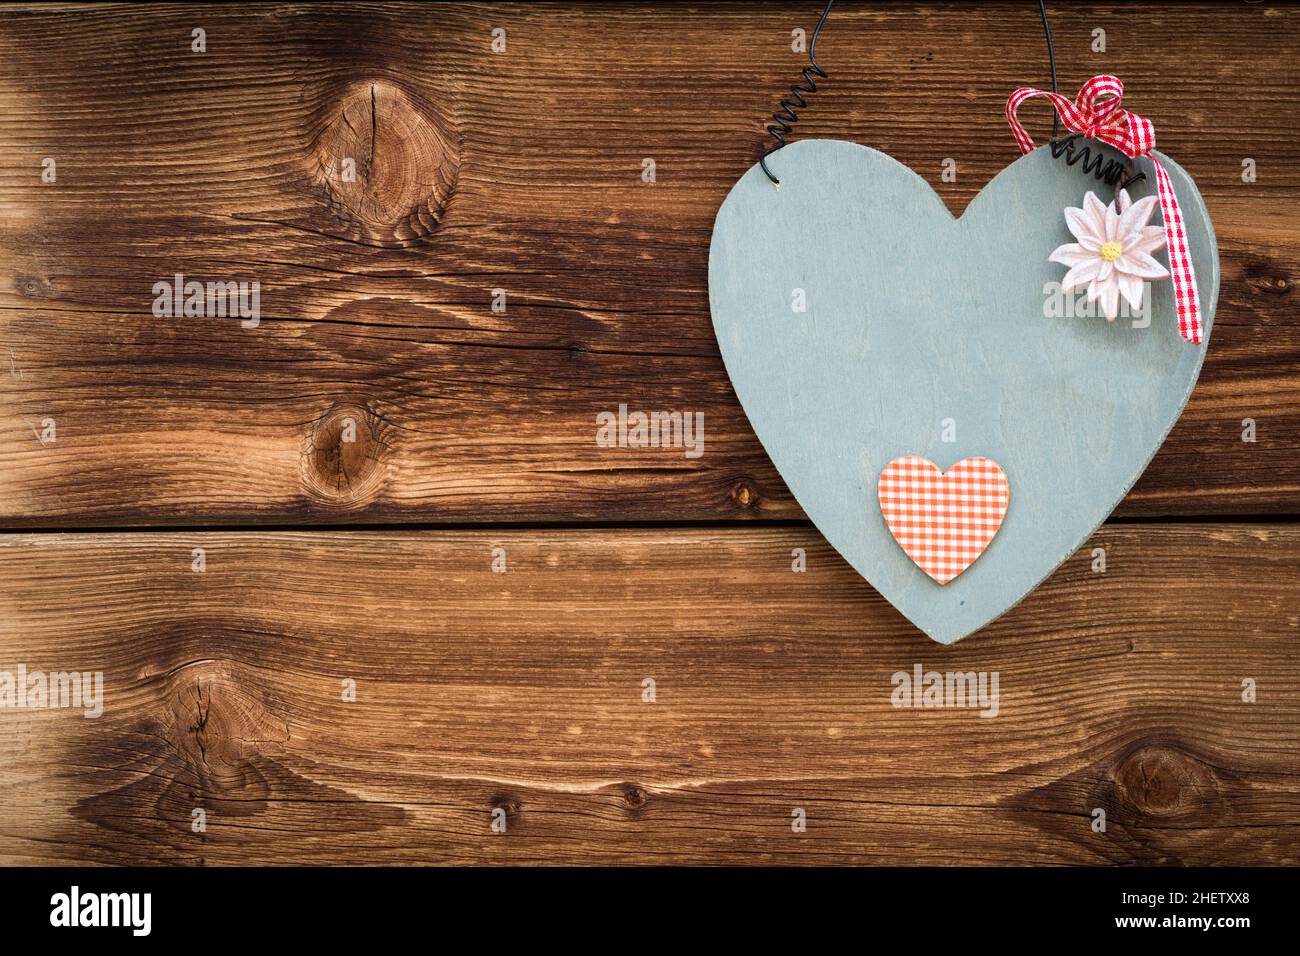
point(522, 171)
point(523, 691)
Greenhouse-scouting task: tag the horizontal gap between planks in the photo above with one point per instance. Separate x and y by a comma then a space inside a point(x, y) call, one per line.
point(711, 524)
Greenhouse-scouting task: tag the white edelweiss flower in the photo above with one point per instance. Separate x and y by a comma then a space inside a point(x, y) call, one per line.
point(1113, 254)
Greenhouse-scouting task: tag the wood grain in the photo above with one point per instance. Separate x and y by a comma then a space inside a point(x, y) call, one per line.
point(522, 171)
point(523, 691)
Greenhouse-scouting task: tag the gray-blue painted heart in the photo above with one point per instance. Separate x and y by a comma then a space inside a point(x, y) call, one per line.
point(915, 319)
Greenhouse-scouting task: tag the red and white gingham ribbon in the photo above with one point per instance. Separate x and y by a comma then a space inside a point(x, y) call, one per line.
point(1096, 114)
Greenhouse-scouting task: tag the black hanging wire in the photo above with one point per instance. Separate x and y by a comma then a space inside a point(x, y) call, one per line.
point(786, 117)
point(1106, 170)
point(1051, 60)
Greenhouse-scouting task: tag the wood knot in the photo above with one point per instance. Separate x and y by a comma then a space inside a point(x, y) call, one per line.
point(343, 457)
point(220, 725)
point(1267, 276)
point(744, 493)
point(634, 796)
point(209, 736)
point(510, 804)
point(31, 287)
point(1156, 780)
point(387, 162)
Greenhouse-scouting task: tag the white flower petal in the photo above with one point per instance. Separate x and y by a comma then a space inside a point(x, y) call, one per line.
point(1106, 269)
point(1124, 201)
point(1130, 287)
point(1096, 288)
point(1141, 265)
point(1096, 209)
point(1149, 239)
point(1147, 246)
point(1110, 301)
point(1084, 272)
point(1112, 223)
point(1137, 215)
point(1084, 228)
point(1071, 254)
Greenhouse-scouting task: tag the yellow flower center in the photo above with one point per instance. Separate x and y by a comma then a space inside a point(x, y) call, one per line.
point(1111, 251)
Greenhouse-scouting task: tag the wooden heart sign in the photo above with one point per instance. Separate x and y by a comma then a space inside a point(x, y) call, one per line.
point(861, 322)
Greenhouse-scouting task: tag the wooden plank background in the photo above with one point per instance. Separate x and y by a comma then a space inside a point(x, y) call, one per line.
point(524, 691)
point(521, 171)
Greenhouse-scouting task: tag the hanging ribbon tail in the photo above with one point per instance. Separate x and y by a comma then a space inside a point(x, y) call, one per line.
point(1096, 114)
point(1186, 298)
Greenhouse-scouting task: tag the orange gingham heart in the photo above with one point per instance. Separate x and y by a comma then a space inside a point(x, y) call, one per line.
point(943, 521)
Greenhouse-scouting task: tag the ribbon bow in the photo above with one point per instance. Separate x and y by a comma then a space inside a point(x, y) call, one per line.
point(1096, 113)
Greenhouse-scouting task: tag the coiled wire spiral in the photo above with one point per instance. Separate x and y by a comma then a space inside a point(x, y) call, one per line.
point(1108, 171)
point(786, 117)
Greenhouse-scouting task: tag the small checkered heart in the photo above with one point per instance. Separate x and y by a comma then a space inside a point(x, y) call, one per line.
point(943, 521)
